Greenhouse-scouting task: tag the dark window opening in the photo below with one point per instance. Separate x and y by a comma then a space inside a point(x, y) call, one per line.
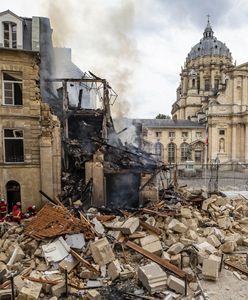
point(207, 85)
point(13, 191)
point(221, 131)
point(12, 86)
point(13, 145)
point(216, 84)
point(171, 153)
point(9, 34)
point(193, 83)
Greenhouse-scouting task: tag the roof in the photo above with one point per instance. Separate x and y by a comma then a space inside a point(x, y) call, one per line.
point(168, 123)
point(209, 45)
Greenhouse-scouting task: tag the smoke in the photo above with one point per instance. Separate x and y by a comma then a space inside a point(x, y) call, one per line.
point(101, 35)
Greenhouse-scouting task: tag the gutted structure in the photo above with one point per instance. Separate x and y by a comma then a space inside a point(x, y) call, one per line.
point(29, 133)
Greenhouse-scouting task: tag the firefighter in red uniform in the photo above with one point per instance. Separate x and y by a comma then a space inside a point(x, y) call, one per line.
point(3, 210)
point(17, 213)
point(31, 211)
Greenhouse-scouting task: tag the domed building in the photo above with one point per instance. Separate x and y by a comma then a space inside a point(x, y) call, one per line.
point(214, 92)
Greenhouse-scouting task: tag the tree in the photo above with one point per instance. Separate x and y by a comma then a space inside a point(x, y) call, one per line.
point(162, 116)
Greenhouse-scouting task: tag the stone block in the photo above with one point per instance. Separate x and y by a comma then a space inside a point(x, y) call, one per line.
point(114, 269)
point(130, 225)
point(176, 284)
point(102, 252)
point(186, 212)
point(152, 277)
point(228, 247)
point(30, 291)
point(152, 244)
point(210, 269)
point(93, 295)
point(5, 294)
point(58, 289)
point(192, 235)
point(176, 248)
point(176, 260)
point(177, 226)
point(213, 240)
point(165, 255)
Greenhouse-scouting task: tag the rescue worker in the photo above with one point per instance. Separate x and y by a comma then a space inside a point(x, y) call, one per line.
point(3, 210)
point(16, 213)
point(31, 211)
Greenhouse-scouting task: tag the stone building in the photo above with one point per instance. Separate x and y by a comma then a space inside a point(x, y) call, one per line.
point(214, 91)
point(29, 134)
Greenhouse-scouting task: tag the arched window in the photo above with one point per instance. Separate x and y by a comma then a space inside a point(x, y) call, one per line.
point(185, 152)
point(9, 34)
point(159, 150)
point(171, 153)
point(13, 191)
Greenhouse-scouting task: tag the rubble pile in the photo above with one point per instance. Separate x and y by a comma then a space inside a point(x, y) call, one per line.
point(159, 252)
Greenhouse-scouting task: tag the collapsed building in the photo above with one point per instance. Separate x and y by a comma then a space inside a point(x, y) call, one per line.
point(56, 117)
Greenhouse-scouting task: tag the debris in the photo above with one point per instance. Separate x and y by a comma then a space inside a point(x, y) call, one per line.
point(130, 225)
point(31, 290)
point(93, 295)
point(177, 226)
point(210, 269)
point(152, 244)
point(75, 241)
point(176, 284)
point(56, 251)
point(152, 277)
point(102, 252)
point(114, 269)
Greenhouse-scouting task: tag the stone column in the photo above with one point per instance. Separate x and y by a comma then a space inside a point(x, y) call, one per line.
point(234, 141)
point(246, 142)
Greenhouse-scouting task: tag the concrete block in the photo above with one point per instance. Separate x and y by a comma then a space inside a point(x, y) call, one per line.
point(5, 294)
point(177, 226)
point(152, 244)
point(130, 225)
point(210, 269)
point(176, 248)
point(114, 269)
point(176, 284)
point(186, 212)
point(228, 247)
point(152, 277)
point(165, 255)
point(102, 252)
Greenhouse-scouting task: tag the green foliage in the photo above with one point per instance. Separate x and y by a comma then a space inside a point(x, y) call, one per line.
point(162, 116)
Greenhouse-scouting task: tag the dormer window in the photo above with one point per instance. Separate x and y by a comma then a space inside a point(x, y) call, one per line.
point(9, 32)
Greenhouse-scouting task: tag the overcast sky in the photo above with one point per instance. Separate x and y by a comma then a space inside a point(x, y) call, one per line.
point(139, 45)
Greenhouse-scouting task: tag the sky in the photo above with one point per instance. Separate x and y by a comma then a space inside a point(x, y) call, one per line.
point(139, 46)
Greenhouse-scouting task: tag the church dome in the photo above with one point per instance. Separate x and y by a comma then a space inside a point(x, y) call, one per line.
point(208, 46)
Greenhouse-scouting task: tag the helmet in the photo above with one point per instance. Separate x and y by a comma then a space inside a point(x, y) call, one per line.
point(33, 207)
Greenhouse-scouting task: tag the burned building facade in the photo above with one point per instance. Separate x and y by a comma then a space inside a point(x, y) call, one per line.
point(29, 132)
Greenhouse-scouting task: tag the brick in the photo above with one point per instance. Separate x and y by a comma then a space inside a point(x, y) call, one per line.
point(152, 244)
point(102, 252)
point(176, 284)
point(130, 225)
point(210, 269)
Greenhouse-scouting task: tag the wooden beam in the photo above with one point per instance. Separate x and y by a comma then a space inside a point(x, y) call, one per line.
point(162, 262)
point(150, 227)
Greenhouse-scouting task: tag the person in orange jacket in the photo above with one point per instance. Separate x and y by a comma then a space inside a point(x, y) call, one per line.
point(3, 210)
point(16, 213)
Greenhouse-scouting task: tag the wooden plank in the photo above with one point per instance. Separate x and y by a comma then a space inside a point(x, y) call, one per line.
point(150, 227)
point(236, 267)
point(162, 262)
point(85, 262)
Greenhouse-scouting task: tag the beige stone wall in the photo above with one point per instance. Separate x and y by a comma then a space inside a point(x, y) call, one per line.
point(165, 140)
point(37, 124)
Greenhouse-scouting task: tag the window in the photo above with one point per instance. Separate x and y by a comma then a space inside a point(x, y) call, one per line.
point(9, 33)
point(216, 84)
point(185, 134)
point(158, 133)
point(221, 131)
point(198, 134)
point(171, 153)
point(207, 85)
point(159, 150)
point(193, 83)
point(185, 152)
point(12, 88)
point(172, 134)
point(13, 145)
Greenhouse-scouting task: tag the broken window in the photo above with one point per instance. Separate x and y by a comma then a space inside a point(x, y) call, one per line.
point(13, 145)
point(9, 33)
point(158, 133)
point(12, 87)
point(185, 134)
